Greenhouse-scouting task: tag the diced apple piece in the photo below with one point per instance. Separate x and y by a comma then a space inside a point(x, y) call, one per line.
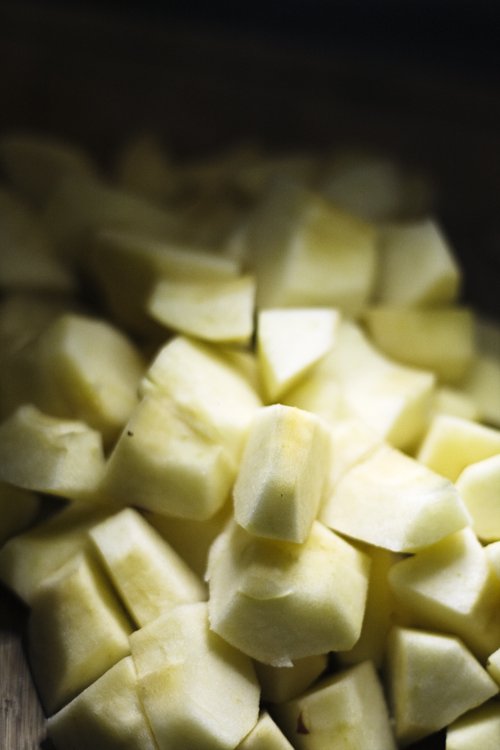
point(147, 573)
point(451, 444)
point(290, 342)
point(279, 684)
point(258, 587)
point(420, 663)
point(305, 252)
point(36, 165)
point(126, 265)
point(345, 711)
point(77, 630)
point(197, 691)
point(493, 665)
point(482, 385)
point(29, 558)
point(107, 714)
point(91, 371)
point(452, 586)
point(392, 501)
point(379, 612)
point(265, 734)
point(190, 538)
point(437, 339)
point(416, 265)
point(165, 464)
point(282, 473)
point(479, 488)
point(394, 400)
point(493, 552)
point(18, 509)
point(479, 728)
point(220, 311)
point(207, 389)
point(46, 454)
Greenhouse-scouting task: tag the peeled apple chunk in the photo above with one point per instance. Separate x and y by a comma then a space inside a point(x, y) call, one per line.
point(77, 630)
point(392, 501)
point(345, 711)
point(208, 390)
point(166, 464)
point(90, 371)
point(306, 252)
point(211, 310)
point(479, 487)
point(290, 342)
point(452, 443)
point(442, 338)
point(265, 734)
point(394, 400)
point(257, 587)
point(147, 573)
point(452, 586)
point(435, 275)
point(46, 454)
point(282, 473)
point(198, 692)
point(479, 728)
point(433, 679)
point(108, 714)
point(28, 559)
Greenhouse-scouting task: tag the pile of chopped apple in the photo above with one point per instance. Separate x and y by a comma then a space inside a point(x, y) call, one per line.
point(249, 453)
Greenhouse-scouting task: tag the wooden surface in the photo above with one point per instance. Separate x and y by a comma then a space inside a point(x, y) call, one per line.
point(96, 79)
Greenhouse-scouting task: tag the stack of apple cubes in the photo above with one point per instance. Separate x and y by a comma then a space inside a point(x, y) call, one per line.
point(276, 441)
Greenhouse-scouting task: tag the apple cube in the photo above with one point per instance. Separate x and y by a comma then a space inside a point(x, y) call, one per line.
point(208, 390)
point(108, 713)
point(347, 710)
point(482, 385)
point(164, 463)
point(392, 501)
point(197, 691)
point(257, 587)
point(280, 684)
point(265, 734)
point(28, 559)
point(126, 263)
point(290, 342)
point(147, 573)
point(452, 586)
point(416, 265)
point(306, 252)
point(394, 400)
point(479, 728)
point(77, 630)
point(442, 339)
point(420, 663)
point(318, 394)
point(478, 485)
point(454, 402)
point(220, 311)
point(90, 371)
point(46, 454)
point(282, 473)
point(452, 443)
